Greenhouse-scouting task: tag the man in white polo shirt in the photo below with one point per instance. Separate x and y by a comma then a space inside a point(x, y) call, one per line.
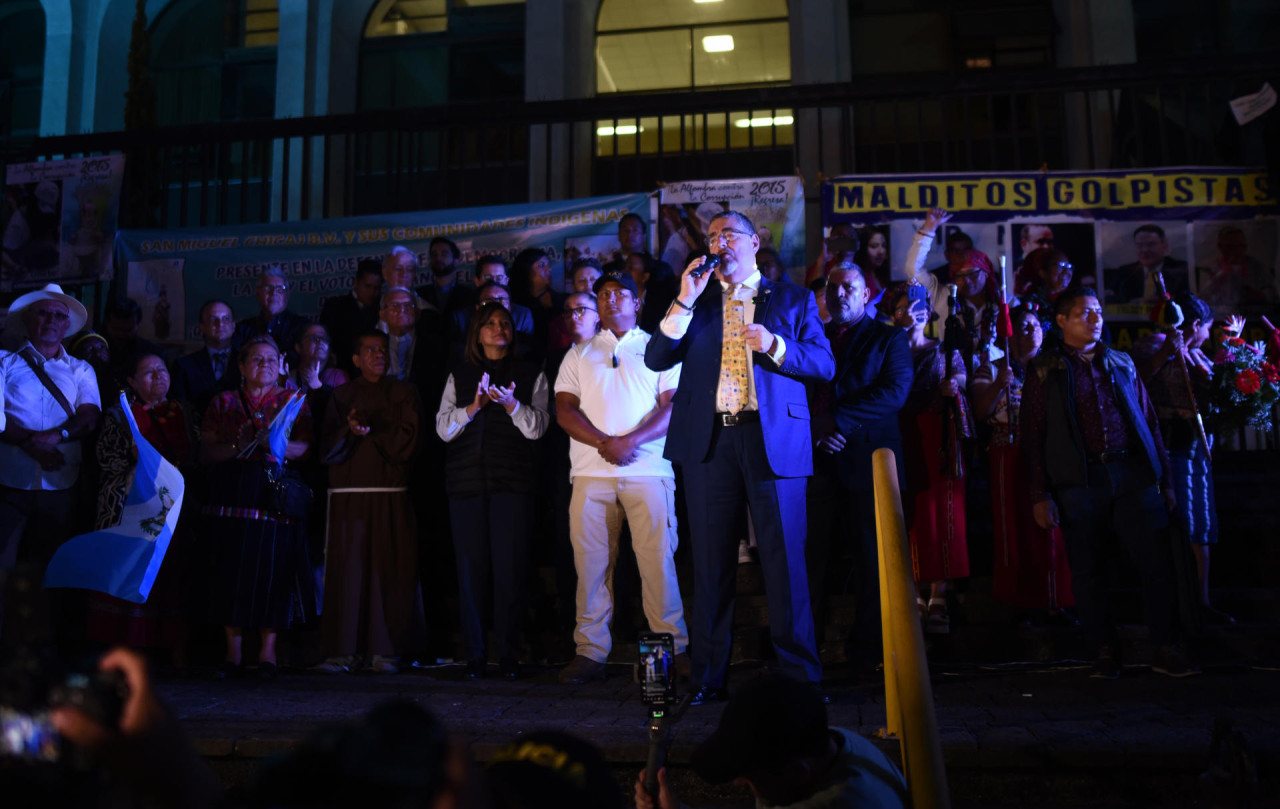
point(616, 411)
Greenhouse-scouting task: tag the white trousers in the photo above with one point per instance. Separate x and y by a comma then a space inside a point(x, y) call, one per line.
point(595, 520)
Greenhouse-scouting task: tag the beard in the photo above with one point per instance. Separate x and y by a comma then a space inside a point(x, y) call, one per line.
point(440, 270)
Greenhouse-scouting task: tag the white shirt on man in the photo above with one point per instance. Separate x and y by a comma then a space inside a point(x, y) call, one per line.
point(25, 400)
point(616, 400)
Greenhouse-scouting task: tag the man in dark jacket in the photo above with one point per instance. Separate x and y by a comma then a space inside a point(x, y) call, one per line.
point(1097, 465)
point(349, 315)
point(198, 376)
point(854, 414)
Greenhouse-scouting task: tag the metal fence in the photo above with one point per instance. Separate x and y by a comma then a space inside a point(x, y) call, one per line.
point(467, 155)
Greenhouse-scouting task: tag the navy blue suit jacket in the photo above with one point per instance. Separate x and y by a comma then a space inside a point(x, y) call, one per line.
point(192, 379)
point(873, 377)
point(788, 311)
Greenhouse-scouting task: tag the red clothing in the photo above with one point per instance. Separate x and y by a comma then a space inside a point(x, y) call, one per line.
point(939, 544)
point(934, 499)
point(227, 415)
point(1031, 567)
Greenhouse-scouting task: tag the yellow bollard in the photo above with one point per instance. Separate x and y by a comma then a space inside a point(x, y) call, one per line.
point(908, 692)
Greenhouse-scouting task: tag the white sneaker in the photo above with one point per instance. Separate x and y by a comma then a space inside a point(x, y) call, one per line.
point(744, 553)
point(384, 665)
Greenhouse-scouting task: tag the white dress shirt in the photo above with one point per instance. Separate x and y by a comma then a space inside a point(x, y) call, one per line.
point(26, 401)
point(676, 324)
point(616, 400)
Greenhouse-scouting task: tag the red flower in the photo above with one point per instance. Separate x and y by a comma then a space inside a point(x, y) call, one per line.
point(1271, 372)
point(1248, 382)
point(1235, 341)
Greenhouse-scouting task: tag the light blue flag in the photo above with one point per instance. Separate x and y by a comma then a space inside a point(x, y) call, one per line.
point(123, 561)
point(281, 426)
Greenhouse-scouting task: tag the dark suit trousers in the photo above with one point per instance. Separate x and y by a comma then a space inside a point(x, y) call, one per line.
point(1116, 506)
point(491, 542)
point(843, 523)
point(737, 473)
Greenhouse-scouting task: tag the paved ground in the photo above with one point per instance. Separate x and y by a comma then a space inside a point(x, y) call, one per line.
point(1012, 735)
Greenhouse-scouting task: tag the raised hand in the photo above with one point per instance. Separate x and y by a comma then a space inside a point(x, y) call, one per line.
point(691, 286)
point(481, 397)
point(936, 218)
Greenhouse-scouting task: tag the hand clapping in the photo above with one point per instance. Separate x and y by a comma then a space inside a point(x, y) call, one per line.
point(503, 396)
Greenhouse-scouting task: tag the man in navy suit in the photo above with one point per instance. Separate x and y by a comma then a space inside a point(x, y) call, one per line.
point(854, 414)
point(198, 376)
point(740, 430)
point(1132, 283)
point(348, 316)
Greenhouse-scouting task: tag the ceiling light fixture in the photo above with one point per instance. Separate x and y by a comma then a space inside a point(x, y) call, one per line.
point(781, 120)
point(625, 129)
point(720, 43)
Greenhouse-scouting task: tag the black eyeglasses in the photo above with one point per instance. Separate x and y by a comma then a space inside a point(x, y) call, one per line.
point(579, 311)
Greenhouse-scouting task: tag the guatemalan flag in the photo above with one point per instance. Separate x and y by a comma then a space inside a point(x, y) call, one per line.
point(280, 427)
point(123, 561)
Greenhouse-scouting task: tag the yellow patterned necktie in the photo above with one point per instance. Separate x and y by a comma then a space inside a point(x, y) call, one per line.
point(733, 357)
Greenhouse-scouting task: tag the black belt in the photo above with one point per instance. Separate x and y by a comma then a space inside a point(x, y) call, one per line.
point(741, 417)
point(1110, 456)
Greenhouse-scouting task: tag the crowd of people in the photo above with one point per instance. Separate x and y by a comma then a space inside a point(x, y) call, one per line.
point(742, 402)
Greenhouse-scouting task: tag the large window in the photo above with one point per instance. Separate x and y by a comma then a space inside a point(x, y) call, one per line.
point(21, 67)
point(937, 36)
point(215, 61)
point(423, 53)
point(1176, 29)
point(691, 44)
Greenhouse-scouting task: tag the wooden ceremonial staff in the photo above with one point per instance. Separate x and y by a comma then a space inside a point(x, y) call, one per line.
point(1158, 278)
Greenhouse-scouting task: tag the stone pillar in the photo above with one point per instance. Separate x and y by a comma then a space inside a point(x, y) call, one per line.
point(1092, 32)
point(560, 165)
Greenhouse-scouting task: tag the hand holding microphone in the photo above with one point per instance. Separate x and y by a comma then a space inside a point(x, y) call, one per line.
point(695, 278)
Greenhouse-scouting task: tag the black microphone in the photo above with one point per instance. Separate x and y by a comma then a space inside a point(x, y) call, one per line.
point(712, 262)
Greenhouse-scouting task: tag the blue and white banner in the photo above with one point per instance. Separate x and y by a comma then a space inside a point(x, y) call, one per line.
point(171, 273)
point(123, 561)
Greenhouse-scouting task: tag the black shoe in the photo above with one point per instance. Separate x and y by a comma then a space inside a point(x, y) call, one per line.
point(581, 670)
point(1171, 662)
point(510, 669)
point(1107, 666)
point(230, 671)
point(709, 693)
point(475, 669)
point(268, 671)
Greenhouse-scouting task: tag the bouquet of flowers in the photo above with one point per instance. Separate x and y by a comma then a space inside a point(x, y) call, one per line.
point(1245, 387)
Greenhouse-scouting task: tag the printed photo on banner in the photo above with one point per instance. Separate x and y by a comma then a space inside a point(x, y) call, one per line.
point(58, 221)
point(1235, 265)
point(158, 289)
point(604, 248)
point(775, 205)
point(1131, 257)
point(1047, 257)
point(682, 230)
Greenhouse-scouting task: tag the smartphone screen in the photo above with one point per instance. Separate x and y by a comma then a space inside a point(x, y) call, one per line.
point(28, 736)
point(657, 660)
